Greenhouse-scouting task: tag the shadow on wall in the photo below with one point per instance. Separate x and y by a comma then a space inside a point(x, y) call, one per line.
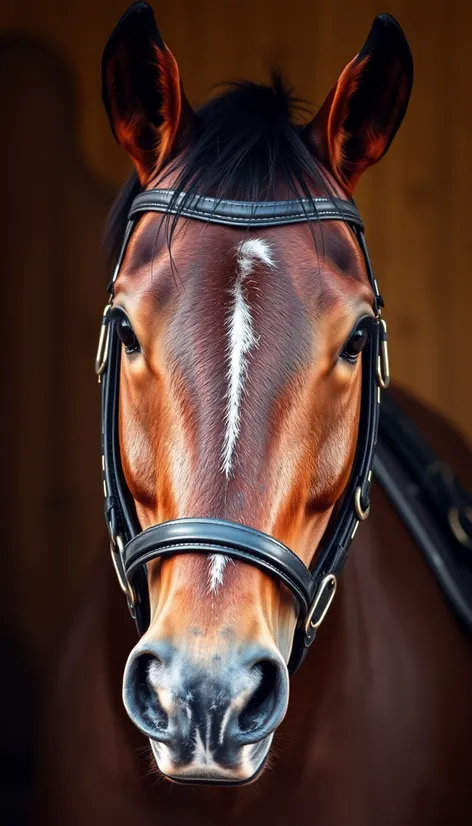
point(18, 724)
point(53, 291)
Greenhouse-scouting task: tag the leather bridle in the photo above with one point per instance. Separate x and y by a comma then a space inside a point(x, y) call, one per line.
point(131, 548)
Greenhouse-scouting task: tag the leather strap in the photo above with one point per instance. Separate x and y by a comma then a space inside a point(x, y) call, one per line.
point(433, 537)
point(245, 213)
point(451, 503)
point(211, 536)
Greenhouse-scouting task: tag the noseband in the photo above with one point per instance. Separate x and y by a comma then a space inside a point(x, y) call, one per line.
point(132, 548)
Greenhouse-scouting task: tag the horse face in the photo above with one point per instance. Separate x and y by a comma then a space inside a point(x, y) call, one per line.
point(239, 400)
point(240, 385)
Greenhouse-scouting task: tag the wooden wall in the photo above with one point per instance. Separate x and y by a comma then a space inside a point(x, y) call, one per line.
point(60, 170)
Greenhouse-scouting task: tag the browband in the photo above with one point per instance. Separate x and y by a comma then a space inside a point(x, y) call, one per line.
point(132, 548)
point(245, 213)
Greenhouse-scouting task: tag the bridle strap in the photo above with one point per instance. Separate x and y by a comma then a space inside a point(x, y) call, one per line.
point(133, 548)
point(232, 539)
point(245, 213)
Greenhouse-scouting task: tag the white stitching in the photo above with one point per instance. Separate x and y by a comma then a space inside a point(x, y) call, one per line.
point(195, 211)
point(214, 548)
point(250, 219)
point(196, 545)
point(232, 203)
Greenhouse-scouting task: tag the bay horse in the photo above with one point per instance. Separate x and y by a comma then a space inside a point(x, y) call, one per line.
point(237, 414)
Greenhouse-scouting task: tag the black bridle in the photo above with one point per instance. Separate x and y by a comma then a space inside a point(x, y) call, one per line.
point(132, 548)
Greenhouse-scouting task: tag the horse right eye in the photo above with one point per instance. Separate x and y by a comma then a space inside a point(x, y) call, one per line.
point(126, 335)
point(356, 343)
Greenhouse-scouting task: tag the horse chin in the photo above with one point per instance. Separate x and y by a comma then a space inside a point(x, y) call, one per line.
point(249, 768)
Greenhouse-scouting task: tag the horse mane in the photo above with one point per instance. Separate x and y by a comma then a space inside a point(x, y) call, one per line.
point(249, 145)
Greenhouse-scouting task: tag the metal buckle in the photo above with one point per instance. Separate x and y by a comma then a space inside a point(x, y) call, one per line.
point(117, 547)
point(461, 535)
point(103, 341)
point(310, 626)
point(383, 366)
point(360, 512)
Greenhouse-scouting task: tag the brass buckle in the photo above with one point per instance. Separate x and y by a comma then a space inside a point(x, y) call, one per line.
point(383, 366)
point(310, 626)
point(455, 524)
point(103, 341)
point(360, 512)
point(117, 547)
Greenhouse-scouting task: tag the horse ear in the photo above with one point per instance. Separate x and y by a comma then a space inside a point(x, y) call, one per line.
point(361, 115)
point(142, 92)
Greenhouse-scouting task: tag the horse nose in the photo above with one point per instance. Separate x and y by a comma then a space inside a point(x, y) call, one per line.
point(227, 702)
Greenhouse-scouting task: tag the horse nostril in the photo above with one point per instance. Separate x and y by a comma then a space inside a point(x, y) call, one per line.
point(167, 698)
point(267, 704)
point(140, 695)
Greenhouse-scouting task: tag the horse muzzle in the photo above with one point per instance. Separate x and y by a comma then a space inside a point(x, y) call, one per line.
point(209, 721)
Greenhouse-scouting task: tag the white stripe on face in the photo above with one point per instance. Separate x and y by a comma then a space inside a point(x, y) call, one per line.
point(241, 340)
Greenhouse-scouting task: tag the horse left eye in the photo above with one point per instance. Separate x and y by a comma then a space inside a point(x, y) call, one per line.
point(126, 335)
point(356, 343)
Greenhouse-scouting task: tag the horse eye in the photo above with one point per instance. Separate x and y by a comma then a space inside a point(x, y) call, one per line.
point(356, 343)
point(126, 335)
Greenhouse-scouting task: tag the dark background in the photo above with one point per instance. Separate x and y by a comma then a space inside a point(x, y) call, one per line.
point(61, 169)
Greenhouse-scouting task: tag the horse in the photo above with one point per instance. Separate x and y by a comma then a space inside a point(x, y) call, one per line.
point(238, 414)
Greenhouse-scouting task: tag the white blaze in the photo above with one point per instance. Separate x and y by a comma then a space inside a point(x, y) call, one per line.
point(217, 566)
point(241, 340)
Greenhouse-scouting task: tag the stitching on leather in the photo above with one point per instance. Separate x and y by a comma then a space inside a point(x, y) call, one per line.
point(153, 203)
point(214, 545)
point(202, 545)
point(170, 192)
point(250, 220)
point(257, 205)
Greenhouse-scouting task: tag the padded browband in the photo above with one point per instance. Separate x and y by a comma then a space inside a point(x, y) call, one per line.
point(245, 213)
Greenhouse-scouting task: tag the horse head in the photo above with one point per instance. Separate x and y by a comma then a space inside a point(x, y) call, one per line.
point(240, 375)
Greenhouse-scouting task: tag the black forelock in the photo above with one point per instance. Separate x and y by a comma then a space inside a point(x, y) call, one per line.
point(248, 146)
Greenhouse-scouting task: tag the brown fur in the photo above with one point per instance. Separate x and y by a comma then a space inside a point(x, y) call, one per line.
point(172, 427)
point(377, 728)
point(379, 721)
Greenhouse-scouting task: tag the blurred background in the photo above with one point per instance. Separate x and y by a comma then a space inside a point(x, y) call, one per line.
point(61, 170)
